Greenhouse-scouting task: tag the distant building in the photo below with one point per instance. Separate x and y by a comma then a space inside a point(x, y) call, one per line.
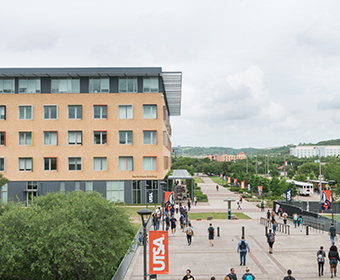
point(226, 157)
point(312, 151)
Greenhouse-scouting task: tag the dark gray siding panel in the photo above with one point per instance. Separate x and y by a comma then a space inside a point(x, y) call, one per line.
point(140, 84)
point(100, 186)
point(160, 85)
point(16, 85)
point(128, 192)
point(16, 191)
point(114, 84)
point(49, 187)
point(69, 186)
point(46, 85)
point(84, 85)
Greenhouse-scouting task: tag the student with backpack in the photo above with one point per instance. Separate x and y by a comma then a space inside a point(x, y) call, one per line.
point(270, 240)
point(248, 275)
point(242, 247)
point(211, 232)
point(332, 232)
point(231, 275)
point(300, 222)
point(190, 233)
point(333, 256)
point(295, 219)
point(289, 277)
point(320, 256)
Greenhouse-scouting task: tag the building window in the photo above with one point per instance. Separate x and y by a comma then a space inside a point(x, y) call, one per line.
point(25, 164)
point(74, 163)
point(65, 85)
point(100, 163)
point(50, 164)
point(125, 137)
point(149, 163)
point(62, 187)
point(136, 192)
point(99, 85)
point(150, 84)
point(25, 112)
point(149, 111)
point(50, 112)
point(2, 164)
point(50, 138)
point(165, 138)
point(4, 193)
point(89, 186)
point(2, 138)
point(75, 138)
point(7, 86)
point(100, 137)
point(74, 111)
point(29, 85)
point(125, 163)
point(150, 137)
point(100, 111)
point(2, 112)
point(77, 186)
point(128, 84)
point(125, 112)
point(115, 190)
point(25, 138)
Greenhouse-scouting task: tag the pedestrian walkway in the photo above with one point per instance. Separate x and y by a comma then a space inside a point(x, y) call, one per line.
point(296, 251)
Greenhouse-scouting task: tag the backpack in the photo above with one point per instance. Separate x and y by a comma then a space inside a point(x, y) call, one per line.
point(190, 232)
point(332, 230)
point(243, 245)
point(321, 257)
point(211, 230)
point(249, 277)
point(271, 238)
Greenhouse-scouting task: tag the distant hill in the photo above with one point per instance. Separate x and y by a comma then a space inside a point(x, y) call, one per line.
point(333, 142)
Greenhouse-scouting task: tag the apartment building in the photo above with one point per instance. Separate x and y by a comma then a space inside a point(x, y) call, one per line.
point(226, 157)
point(92, 129)
point(311, 151)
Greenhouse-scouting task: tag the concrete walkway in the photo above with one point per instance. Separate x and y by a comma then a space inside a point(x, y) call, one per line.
point(296, 251)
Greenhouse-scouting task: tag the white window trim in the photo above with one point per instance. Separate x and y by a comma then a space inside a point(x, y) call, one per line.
point(131, 110)
point(50, 106)
point(25, 112)
point(68, 164)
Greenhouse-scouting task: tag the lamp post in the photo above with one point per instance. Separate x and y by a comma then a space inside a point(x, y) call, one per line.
point(319, 168)
point(262, 190)
point(256, 165)
point(144, 213)
point(146, 195)
point(284, 165)
point(265, 165)
point(247, 164)
point(331, 183)
point(163, 184)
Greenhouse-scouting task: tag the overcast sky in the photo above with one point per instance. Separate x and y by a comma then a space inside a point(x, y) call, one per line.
point(255, 73)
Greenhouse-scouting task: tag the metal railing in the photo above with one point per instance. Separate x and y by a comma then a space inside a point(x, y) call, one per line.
point(280, 226)
point(125, 263)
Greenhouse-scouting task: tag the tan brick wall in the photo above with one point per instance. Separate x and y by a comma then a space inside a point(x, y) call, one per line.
point(12, 125)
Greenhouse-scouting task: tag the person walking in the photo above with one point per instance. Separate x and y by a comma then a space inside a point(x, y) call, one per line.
point(279, 211)
point(190, 233)
point(189, 204)
point(270, 240)
point(295, 219)
point(300, 222)
point(177, 207)
point(211, 232)
point(242, 247)
point(333, 257)
point(216, 187)
point(262, 206)
point(231, 275)
point(188, 275)
point(241, 198)
point(274, 226)
point(285, 217)
point(320, 255)
point(332, 233)
point(272, 214)
point(173, 222)
point(289, 277)
point(195, 200)
point(239, 205)
point(248, 275)
point(268, 214)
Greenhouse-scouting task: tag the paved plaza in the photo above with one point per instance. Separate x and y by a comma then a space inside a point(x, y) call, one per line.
point(296, 251)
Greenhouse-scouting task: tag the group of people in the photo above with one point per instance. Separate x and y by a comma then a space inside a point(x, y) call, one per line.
point(232, 275)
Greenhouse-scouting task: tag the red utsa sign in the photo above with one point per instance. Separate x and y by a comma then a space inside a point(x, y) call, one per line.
point(158, 252)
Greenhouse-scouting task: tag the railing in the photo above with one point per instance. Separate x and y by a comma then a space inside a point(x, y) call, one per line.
point(280, 226)
point(125, 263)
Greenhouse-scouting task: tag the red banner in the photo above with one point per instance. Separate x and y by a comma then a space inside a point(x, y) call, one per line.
point(169, 201)
point(229, 180)
point(259, 188)
point(158, 252)
point(242, 185)
point(235, 182)
point(325, 199)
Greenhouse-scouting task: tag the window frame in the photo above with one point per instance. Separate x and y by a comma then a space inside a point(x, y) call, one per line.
point(75, 112)
point(126, 137)
point(151, 157)
point(101, 112)
point(151, 137)
point(101, 136)
point(25, 112)
point(75, 164)
point(101, 163)
point(49, 110)
point(69, 90)
point(12, 81)
point(25, 138)
point(48, 131)
point(75, 137)
point(4, 109)
point(126, 79)
point(4, 164)
point(50, 163)
point(25, 164)
point(101, 84)
point(126, 163)
point(37, 85)
point(151, 111)
point(4, 133)
point(150, 88)
point(126, 111)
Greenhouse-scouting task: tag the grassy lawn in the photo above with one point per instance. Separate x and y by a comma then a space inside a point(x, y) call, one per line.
point(217, 180)
point(198, 180)
point(216, 216)
point(336, 216)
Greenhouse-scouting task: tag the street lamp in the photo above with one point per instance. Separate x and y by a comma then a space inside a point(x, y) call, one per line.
point(144, 213)
point(331, 183)
point(163, 184)
point(256, 165)
point(319, 168)
point(146, 194)
point(284, 165)
point(262, 190)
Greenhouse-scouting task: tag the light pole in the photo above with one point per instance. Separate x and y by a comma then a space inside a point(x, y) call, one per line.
point(284, 165)
point(331, 183)
point(163, 184)
point(265, 165)
point(146, 195)
point(319, 168)
point(256, 165)
point(144, 213)
point(247, 163)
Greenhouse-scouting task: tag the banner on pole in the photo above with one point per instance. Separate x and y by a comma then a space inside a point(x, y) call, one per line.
point(259, 188)
point(150, 197)
point(229, 180)
point(169, 201)
point(325, 199)
point(242, 184)
point(249, 187)
point(158, 252)
point(289, 195)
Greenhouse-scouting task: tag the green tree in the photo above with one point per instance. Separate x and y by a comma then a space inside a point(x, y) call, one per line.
point(76, 235)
